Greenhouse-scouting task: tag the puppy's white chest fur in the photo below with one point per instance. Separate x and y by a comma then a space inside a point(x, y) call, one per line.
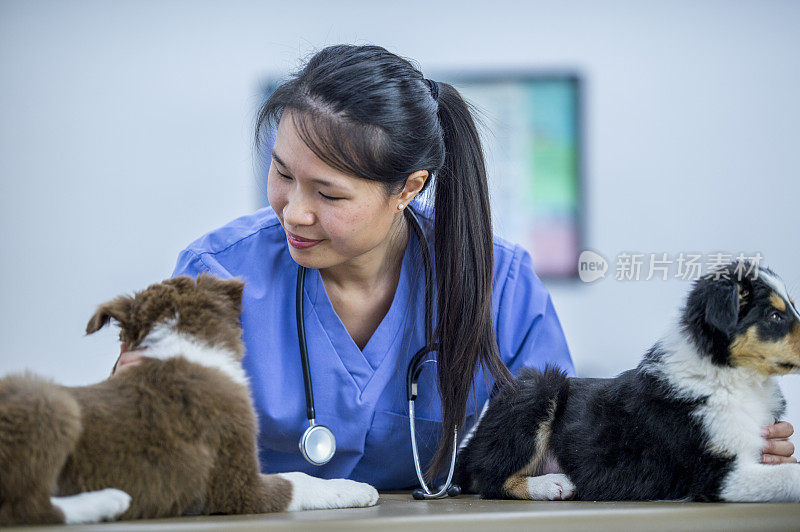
point(737, 404)
point(165, 342)
point(734, 418)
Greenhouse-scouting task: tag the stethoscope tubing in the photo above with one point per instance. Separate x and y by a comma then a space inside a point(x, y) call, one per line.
point(320, 454)
point(301, 339)
point(446, 488)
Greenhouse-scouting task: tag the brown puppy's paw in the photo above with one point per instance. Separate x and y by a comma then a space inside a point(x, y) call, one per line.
point(310, 493)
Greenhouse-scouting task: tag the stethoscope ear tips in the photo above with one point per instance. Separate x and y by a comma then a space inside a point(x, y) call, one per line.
point(453, 491)
point(418, 494)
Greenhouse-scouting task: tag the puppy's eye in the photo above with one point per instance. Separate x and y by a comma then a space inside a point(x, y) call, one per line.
point(776, 317)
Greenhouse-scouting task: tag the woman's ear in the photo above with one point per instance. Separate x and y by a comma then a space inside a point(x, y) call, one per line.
point(413, 186)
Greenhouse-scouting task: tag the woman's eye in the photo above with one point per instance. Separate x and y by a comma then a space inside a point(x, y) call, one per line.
point(282, 174)
point(331, 198)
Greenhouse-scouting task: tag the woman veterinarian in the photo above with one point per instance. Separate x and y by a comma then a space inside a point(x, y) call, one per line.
point(361, 134)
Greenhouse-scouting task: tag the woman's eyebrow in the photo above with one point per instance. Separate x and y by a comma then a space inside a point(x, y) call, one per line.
point(280, 161)
point(316, 180)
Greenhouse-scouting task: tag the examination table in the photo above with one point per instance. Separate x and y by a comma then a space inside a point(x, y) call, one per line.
point(398, 511)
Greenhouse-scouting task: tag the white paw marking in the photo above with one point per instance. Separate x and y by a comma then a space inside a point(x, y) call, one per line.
point(552, 487)
point(309, 493)
point(762, 483)
point(93, 506)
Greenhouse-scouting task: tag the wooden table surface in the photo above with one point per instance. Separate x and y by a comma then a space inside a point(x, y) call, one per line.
point(398, 511)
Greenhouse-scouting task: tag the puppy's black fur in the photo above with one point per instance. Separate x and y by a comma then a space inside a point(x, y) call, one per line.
point(506, 437)
point(604, 432)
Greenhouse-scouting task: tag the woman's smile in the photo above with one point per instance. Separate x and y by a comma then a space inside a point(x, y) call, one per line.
point(299, 242)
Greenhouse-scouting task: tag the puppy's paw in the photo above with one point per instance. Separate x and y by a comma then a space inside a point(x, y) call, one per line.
point(552, 487)
point(352, 494)
point(93, 506)
point(310, 493)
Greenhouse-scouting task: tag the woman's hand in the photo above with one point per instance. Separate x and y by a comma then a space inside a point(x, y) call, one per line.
point(778, 449)
point(127, 359)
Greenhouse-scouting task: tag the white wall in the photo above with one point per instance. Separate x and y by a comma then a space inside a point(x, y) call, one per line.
point(125, 132)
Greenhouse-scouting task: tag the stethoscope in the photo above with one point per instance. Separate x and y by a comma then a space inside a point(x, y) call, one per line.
point(318, 444)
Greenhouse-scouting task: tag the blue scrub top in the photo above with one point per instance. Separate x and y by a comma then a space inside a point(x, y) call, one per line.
point(359, 394)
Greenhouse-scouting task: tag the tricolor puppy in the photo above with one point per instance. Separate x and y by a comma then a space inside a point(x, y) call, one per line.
point(173, 435)
point(685, 424)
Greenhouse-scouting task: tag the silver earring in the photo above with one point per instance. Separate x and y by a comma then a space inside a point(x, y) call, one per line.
point(400, 206)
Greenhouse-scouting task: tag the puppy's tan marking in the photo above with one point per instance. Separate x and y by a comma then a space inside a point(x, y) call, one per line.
point(777, 302)
point(743, 294)
point(517, 484)
point(768, 358)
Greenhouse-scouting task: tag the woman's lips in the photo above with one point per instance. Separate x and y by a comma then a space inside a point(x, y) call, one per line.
point(299, 242)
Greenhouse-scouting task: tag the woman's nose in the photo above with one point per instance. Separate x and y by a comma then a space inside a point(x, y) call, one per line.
point(297, 212)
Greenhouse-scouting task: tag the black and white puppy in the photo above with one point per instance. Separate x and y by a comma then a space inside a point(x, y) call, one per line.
point(685, 424)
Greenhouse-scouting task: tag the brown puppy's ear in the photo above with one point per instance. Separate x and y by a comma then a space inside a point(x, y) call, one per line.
point(182, 282)
point(230, 288)
point(118, 309)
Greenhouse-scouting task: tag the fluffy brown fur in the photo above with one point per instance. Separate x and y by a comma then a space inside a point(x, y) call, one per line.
point(177, 436)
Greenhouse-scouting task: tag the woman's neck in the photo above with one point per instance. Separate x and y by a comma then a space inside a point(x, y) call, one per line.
point(373, 269)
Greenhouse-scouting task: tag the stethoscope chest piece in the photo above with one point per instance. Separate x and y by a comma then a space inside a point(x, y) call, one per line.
point(318, 444)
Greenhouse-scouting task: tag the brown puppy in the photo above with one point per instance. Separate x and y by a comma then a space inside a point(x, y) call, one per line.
point(175, 434)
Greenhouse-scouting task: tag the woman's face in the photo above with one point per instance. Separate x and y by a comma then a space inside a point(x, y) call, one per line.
point(330, 218)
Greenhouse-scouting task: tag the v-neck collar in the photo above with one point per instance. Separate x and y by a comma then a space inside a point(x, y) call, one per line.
point(362, 364)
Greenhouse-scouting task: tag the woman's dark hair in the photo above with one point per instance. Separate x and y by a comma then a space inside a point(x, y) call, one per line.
point(367, 112)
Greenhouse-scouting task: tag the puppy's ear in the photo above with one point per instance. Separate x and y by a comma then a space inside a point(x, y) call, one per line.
point(722, 305)
point(229, 288)
point(118, 309)
point(182, 282)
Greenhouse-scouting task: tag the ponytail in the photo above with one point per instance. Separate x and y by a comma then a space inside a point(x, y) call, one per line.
point(464, 267)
